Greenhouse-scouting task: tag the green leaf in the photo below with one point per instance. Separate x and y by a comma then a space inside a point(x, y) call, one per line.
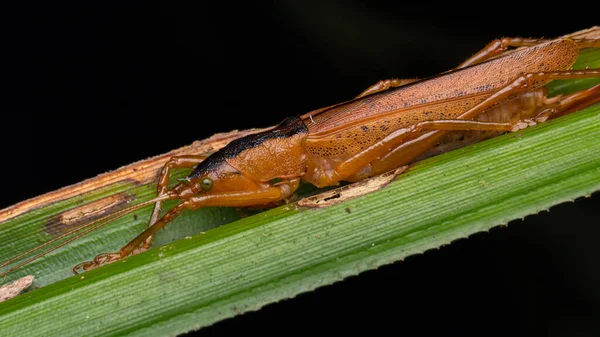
point(276, 254)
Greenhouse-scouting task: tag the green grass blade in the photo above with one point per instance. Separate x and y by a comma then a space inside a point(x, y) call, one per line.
point(279, 253)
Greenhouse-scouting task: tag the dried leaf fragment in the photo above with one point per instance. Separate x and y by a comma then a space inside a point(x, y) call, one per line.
point(348, 192)
point(11, 290)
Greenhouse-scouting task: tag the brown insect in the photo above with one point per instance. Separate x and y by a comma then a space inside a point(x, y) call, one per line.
point(392, 123)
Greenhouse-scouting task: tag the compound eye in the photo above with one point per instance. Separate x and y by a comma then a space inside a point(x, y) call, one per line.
point(206, 184)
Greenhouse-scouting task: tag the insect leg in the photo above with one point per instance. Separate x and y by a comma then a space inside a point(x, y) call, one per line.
point(226, 199)
point(385, 85)
point(527, 82)
point(499, 46)
point(400, 137)
point(494, 48)
point(406, 152)
point(404, 145)
point(570, 103)
point(163, 183)
point(461, 125)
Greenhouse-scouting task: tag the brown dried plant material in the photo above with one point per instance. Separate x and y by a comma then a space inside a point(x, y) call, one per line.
point(351, 191)
point(11, 290)
point(74, 217)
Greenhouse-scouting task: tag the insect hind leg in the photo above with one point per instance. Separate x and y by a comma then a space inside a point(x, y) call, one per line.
point(564, 105)
point(403, 146)
point(499, 46)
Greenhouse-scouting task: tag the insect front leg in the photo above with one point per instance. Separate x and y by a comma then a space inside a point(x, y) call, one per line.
point(162, 186)
point(163, 183)
point(224, 199)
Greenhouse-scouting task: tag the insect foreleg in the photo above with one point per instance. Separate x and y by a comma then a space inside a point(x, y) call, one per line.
point(224, 199)
point(163, 183)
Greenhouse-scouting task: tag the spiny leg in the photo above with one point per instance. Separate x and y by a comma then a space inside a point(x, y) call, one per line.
point(225, 199)
point(415, 144)
point(499, 46)
point(163, 183)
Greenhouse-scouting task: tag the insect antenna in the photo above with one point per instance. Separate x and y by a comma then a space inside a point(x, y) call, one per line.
point(90, 227)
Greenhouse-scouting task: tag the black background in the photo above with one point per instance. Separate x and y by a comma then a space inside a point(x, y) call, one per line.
point(89, 87)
